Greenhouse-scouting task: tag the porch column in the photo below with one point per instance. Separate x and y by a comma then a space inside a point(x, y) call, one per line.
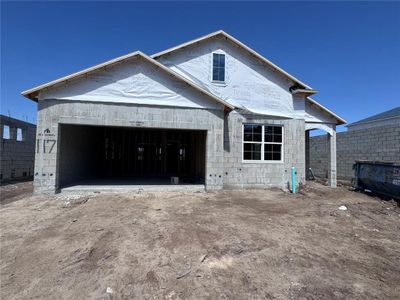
point(332, 157)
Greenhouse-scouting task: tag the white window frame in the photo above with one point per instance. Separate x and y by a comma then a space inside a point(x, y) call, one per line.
point(21, 137)
point(217, 82)
point(262, 160)
point(3, 132)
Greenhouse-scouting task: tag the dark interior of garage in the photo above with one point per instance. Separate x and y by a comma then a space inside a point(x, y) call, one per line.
point(122, 155)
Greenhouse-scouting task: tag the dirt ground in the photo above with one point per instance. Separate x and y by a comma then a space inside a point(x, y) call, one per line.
point(258, 244)
point(13, 191)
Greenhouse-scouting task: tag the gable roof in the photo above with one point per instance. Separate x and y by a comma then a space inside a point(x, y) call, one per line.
point(389, 114)
point(340, 121)
point(302, 88)
point(238, 43)
point(34, 92)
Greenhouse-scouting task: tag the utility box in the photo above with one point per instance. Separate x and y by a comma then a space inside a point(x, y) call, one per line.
point(378, 177)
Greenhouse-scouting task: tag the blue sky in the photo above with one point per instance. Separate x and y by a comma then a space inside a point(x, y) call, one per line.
point(348, 51)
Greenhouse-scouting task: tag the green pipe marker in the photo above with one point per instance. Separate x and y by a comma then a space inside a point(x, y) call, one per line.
point(293, 181)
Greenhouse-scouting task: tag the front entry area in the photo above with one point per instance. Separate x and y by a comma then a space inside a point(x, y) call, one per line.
point(123, 156)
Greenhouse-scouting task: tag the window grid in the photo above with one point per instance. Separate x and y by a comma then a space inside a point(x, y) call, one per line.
point(270, 151)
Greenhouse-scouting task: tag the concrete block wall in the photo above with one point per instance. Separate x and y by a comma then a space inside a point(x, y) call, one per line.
point(52, 113)
point(372, 143)
point(224, 165)
point(239, 174)
point(17, 157)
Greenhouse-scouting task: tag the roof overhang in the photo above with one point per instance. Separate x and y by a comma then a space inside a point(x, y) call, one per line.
point(304, 92)
point(339, 120)
point(33, 93)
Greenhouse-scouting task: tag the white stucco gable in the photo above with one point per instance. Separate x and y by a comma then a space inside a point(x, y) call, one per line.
point(249, 84)
point(252, 82)
point(134, 81)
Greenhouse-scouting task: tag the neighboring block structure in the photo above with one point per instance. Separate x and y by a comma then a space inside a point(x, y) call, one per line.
point(375, 138)
point(17, 149)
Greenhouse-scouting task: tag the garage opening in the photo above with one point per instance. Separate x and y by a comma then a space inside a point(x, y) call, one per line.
point(96, 155)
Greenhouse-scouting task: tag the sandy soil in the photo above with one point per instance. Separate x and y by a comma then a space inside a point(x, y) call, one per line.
point(263, 244)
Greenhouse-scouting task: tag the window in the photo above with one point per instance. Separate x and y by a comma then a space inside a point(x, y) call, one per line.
point(6, 132)
point(272, 143)
point(218, 71)
point(262, 142)
point(252, 136)
point(19, 135)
